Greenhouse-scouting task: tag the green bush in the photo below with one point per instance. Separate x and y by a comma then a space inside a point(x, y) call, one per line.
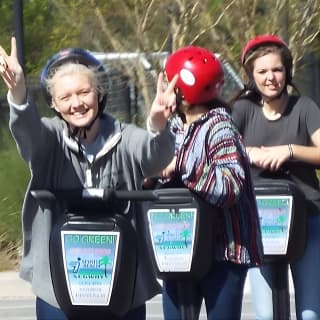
point(13, 181)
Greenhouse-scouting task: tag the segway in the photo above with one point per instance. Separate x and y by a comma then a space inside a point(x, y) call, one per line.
point(182, 235)
point(93, 251)
point(180, 229)
point(281, 207)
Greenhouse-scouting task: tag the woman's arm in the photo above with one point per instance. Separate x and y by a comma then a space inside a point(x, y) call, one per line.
point(273, 157)
point(309, 154)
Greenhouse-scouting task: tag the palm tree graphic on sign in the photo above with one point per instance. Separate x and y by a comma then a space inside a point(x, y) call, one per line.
point(185, 233)
point(105, 261)
point(282, 221)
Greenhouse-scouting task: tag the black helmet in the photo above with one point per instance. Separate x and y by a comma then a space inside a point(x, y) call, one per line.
point(77, 55)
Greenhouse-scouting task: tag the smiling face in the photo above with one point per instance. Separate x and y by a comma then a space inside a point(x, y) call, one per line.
point(74, 96)
point(269, 75)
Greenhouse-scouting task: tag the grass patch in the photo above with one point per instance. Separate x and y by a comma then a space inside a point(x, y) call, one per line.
point(13, 182)
point(10, 254)
point(14, 176)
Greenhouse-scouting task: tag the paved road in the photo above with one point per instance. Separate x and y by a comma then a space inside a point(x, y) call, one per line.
point(23, 309)
point(17, 301)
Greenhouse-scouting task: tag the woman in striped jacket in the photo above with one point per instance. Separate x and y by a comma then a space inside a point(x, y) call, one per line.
point(211, 161)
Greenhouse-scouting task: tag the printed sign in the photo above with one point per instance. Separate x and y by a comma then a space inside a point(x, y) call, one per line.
point(89, 259)
point(275, 221)
point(172, 234)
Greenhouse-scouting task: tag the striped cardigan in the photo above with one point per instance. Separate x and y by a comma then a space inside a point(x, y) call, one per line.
point(212, 162)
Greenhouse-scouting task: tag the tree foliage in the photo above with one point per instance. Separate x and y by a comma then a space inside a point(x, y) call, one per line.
point(223, 26)
point(159, 25)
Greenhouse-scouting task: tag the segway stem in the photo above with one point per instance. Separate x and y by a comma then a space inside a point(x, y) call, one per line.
point(280, 291)
point(186, 300)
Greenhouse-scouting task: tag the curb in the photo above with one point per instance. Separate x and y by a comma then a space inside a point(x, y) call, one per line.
point(12, 286)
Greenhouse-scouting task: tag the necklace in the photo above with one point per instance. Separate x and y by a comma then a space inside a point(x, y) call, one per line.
point(274, 110)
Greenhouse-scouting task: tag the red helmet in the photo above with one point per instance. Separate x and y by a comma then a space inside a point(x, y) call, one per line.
point(200, 73)
point(261, 40)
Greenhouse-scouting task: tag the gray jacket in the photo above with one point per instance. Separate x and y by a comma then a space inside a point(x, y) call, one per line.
point(128, 155)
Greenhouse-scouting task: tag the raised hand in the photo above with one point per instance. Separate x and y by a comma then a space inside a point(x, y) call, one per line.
point(164, 103)
point(12, 73)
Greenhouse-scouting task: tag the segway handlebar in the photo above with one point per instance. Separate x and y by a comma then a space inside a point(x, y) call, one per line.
point(101, 194)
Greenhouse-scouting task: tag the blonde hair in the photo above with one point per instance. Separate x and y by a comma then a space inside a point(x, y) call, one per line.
point(72, 68)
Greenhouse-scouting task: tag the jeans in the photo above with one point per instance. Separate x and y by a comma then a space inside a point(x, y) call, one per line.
point(221, 289)
point(305, 276)
point(45, 311)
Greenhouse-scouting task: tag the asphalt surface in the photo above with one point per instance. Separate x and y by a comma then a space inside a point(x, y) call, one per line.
point(17, 302)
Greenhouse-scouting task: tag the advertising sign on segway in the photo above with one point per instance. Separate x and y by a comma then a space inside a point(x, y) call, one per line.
point(93, 252)
point(180, 231)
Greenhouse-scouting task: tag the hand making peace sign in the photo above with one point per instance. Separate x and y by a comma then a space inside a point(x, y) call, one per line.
point(12, 73)
point(164, 103)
